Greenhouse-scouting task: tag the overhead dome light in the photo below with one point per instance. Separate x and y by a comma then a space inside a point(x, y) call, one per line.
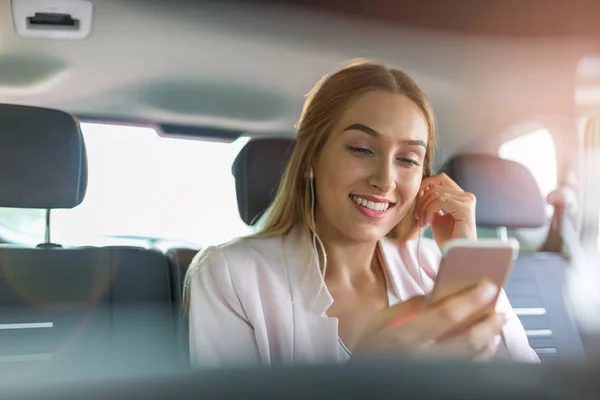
point(52, 19)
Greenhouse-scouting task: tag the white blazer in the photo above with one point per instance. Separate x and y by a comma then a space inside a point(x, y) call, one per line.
point(264, 301)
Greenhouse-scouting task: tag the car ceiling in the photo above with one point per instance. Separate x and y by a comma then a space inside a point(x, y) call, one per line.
point(247, 65)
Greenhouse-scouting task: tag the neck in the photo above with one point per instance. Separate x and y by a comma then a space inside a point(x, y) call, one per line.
point(346, 258)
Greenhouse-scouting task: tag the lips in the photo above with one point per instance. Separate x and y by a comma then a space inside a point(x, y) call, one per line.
point(371, 203)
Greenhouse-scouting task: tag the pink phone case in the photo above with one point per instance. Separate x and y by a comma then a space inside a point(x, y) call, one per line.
point(465, 264)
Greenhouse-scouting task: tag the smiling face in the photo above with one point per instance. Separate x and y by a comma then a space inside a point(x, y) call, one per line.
point(369, 171)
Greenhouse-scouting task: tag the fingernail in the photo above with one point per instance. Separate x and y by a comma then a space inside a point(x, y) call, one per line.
point(489, 291)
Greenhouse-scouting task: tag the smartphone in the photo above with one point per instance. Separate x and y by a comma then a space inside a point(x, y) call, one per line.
point(465, 263)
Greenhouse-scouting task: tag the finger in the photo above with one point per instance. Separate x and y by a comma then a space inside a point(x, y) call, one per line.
point(448, 202)
point(476, 340)
point(445, 193)
point(440, 179)
point(556, 198)
point(488, 353)
point(437, 190)
point(401, 312)
point(428, 200)
point(432, 204)
point(423, 199)
point(459, 208)
point(385, 324)
point(432, 350)
point(494, 345)
point(441, 317)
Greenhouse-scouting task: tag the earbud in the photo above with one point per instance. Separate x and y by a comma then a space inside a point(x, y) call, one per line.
point(311, 175)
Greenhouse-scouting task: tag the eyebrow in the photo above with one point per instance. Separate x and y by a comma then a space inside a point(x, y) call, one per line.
point(372, 132)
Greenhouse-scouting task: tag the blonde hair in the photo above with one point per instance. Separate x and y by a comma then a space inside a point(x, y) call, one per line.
point(323, 108)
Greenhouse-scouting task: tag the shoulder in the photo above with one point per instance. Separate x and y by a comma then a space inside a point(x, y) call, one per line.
point(248, 248)
point(236, 260)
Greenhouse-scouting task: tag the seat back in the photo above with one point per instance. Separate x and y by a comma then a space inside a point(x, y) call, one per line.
point(257, 170)
point(179, 262)
point(535, 290)
point(72, 307)
point(89, 305)
point(508, 197)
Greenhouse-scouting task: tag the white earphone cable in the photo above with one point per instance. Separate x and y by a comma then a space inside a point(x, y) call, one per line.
point(419, 260)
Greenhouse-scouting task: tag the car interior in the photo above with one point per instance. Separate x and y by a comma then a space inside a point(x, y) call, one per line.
point(134, 133)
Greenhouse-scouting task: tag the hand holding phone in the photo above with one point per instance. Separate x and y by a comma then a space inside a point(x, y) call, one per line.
point(411, 329)
point(437, 325)
point(465, 263)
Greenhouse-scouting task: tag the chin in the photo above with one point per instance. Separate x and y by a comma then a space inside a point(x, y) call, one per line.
point(367, 234)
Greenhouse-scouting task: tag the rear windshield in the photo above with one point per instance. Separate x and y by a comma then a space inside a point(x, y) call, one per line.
point(142, 187)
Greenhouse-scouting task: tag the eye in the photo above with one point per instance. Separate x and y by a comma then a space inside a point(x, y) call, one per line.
point(409, 162)
point(360, 150)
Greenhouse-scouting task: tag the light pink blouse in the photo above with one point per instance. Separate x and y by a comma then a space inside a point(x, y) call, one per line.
point(264, 301)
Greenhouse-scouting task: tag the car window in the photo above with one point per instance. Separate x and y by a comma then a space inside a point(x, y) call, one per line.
point(143, 186)
point(536, 151)
point(22, 225)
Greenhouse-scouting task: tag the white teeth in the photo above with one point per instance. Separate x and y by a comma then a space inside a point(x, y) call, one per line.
point(371, 205)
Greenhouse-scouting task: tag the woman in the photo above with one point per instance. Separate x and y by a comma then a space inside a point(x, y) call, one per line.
point(323, 281)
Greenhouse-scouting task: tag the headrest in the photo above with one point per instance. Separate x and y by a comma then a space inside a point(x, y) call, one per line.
point(42, 158)
point(257, 170)
point(506, 191)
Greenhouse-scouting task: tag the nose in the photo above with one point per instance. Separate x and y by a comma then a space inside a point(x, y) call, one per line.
point(384, 176)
